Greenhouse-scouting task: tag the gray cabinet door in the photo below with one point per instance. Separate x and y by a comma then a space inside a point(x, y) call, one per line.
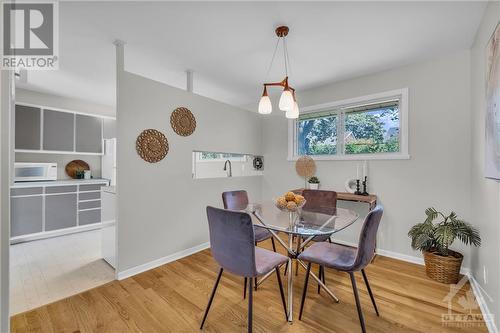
point(27, 127)
point(58, 130)
point(26, 215)
point(60, 211)
point(109, 128)
point(88, 134)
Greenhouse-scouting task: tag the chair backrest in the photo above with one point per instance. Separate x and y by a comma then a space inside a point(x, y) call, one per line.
point(235, 200)
point(319, 201)
point(368, 238)
point(232, 240)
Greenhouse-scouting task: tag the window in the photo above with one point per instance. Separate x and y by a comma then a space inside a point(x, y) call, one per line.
point(369, 127)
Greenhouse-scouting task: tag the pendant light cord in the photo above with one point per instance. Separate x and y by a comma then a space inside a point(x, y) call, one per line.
point(285, 56)
point(272, 59)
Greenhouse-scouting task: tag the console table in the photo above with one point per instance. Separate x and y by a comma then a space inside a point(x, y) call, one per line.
point(370, 199)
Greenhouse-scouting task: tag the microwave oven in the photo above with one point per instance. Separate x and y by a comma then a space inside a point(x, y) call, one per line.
point(26, 172)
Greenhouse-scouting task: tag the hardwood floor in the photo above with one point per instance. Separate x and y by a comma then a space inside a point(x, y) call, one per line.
point(172, 298)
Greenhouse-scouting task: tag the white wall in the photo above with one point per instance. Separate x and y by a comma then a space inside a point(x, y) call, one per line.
point(439, 144)
point(59, 102)
point(485, 193)
point(161, 209)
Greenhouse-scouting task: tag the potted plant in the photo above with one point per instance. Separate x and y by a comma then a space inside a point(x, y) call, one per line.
point(313, 183)
point(434, 240)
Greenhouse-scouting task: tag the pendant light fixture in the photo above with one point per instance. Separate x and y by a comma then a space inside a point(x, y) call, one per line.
point(288, 101)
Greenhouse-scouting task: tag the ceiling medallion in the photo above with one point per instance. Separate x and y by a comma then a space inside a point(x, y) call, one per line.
point(288, 100)
point(183, 121)
point(152, 145)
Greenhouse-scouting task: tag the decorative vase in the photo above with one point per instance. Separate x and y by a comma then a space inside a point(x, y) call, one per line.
point(443, 269)
point(313, 186)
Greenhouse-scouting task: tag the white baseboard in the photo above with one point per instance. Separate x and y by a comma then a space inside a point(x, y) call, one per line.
point(161, 261)
point(477, 290)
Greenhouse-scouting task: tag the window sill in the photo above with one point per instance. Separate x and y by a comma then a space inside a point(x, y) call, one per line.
point(357, 157)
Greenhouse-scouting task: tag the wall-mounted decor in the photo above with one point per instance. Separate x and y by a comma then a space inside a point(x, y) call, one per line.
point(152, 145)
point(183, 121)
point(492, 128)
point(75, 168)
point(305, 167)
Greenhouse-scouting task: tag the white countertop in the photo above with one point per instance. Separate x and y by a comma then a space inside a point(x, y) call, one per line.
point(109, 189)
point(60, 182)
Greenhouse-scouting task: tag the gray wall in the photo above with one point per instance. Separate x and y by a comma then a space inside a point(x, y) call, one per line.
point(161, 209)
point(485, 193)
point(439, 144)
point(32, 97)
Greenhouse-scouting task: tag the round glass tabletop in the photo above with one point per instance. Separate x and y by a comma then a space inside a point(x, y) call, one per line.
point(304, 222)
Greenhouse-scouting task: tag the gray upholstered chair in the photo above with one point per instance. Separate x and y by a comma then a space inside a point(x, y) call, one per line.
point(347, 259)
point(232, 243)
point(238, 200)
point(320, 201)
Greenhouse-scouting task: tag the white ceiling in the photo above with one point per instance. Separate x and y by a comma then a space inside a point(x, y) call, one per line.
point(229, 44)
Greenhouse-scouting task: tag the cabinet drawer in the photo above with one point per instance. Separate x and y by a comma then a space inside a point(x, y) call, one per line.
point(26, 215)
point(60, 211)
point(89, 196)
point(60, 189)
point(26, 191)
point(89, 217)
point(89, 204)
point(93, 187)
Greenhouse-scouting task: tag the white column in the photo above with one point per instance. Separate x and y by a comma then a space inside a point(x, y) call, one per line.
point(120, 69)
point(189, 80)
point(6, 165)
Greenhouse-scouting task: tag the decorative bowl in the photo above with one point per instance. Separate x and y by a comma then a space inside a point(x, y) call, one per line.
point(290, 202)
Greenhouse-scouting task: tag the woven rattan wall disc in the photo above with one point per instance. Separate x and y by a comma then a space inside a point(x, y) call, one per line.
point(151, 145)
point(183, 121)
point(305, 167)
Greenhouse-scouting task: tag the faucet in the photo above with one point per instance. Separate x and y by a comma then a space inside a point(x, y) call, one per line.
point(230, 174)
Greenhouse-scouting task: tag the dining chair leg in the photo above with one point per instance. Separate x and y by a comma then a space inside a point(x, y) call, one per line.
point(211, 298)
point(274, 246)
point(304, 291)
point(320, 272)
point(358, 303)
point(281, 291)
point(286, 268)
point(370, 291)
point(299, 242)
point(329, 240)
point(245, 289)
point(255, 283)
point(250, 305)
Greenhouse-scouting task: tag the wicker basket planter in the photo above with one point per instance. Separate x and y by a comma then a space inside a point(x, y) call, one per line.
point(443, 269)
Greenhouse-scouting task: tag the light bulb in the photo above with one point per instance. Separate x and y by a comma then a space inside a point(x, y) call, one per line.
point(286, 100)
point(294, 114)
point(265, 106)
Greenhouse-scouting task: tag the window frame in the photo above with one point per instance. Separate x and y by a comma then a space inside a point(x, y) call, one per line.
point(339, 108)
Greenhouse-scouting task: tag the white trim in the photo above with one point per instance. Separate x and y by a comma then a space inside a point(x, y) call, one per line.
point(476, 289)
point(56, 233)
point(87, 209)
point(401, 94)
point(54, 152)
point(64, 110)
point(161, 261)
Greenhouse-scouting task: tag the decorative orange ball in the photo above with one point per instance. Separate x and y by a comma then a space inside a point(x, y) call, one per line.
point(290, 196)
point(299, 199)
point(281, 202)
point(291, 206)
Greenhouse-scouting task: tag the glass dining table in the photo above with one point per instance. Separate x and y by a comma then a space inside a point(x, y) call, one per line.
point(303, 225)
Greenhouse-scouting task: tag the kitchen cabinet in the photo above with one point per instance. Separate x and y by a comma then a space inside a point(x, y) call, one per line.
point(88, 134)
point(58, 130)
point(54, 208)
point(40, 129)
point(26, 215)
point(28, 127)
point(60, 211)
